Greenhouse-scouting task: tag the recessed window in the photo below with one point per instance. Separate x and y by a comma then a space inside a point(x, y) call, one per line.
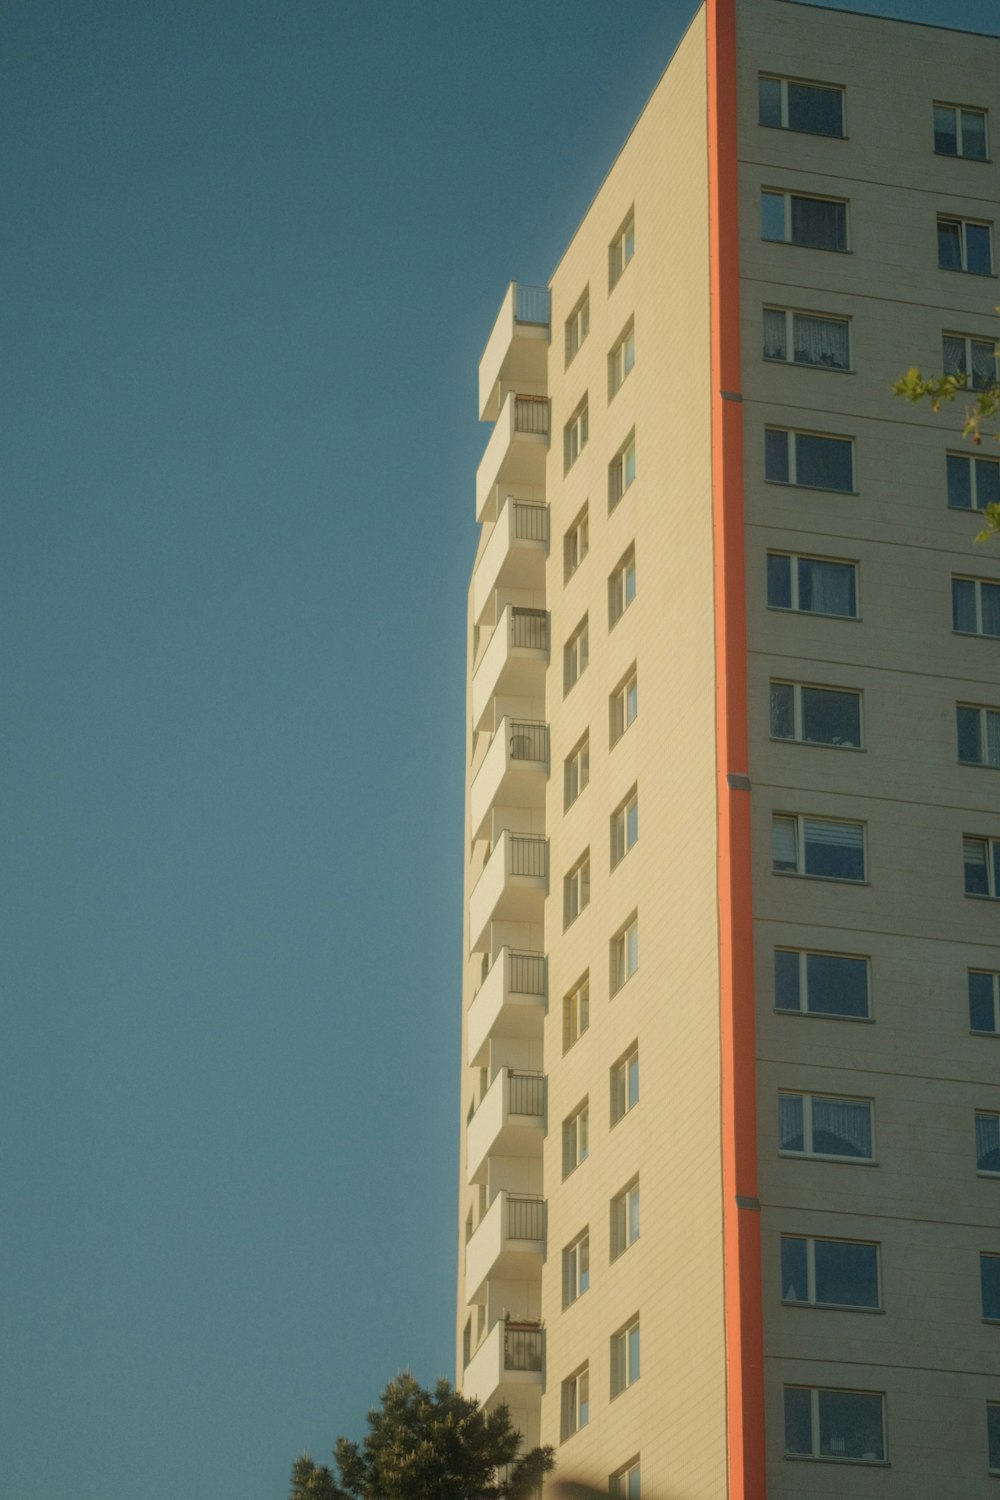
point(817, 1125)
point(621, 249)
point(989, 1277)
point(975, 360)
point(576, 770)
point(577, 325)
point(993, 1435)
point(625, 1084)
point(973, 483)
point(625, 1219)
point(576, 890)
point(821, 847)
point(621, 587)
point(620, 361)
point(793, 219)
point(978, 735)
point(807, 339)
point(624, 955)
point(576, 544)
point(812, 585)
point(624, 827)
point(575, 435)
point(576, 1012)
point(838, 1425)
point(981, 862)
point(576, 1268)
point(808, 459)
point(816, 716)
point(624, 1484)
point(624, 705)
point(984, 1002)
point(988, 1142)
point(576, 655)
point(788, 104)
point(575, 1402)
point(829, 1273)
point(975, 607)
point(621, 472)
point(960, 132)
point(624, 1358)
point(576, 1138)
point(964, 245)
point(821, 984)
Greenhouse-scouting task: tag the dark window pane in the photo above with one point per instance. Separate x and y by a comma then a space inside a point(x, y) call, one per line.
point(982, 1015)
point(830, 718)
point(963, 605)
point(949, 245)
point(826, 588)
point(786, 979)
point(798, 1420)
point(837, 986)
point(945, 132)
point(990, 603)
point(987, 482)
point(820, 111)
point(794, 1277)
point(779, 581)
point(850, 1425)
point(970, 740)
point(782, 711)
point(769, 101)
point(846, 1274)
point(834, 850)
point(819, 224)
point(776, 455)
point(827, 463)
point(988, 1142)
point(790, 1131)
point(973, 135)
point(993, 1433)
point(959, 481)
point(974, 854)
point(842, 1127)
point(989, 1270)
point(977, 249)
point(772, 216)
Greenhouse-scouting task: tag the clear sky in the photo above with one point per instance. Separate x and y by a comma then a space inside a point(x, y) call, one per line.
point(251, 252)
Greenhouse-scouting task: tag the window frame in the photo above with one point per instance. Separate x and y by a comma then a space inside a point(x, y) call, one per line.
point(575, 1402)
point(803, 955)
point(576, 1138)
point(577, 326)
point(816, 1454)
point(969, 343)
point(576, 1012)
point(623, 1084)
point(621, 250)
point(626, 694)
point(625, 1357)
point(811, 1299)
point(973, 460)
point(576, 543)
point(994, 1117)
point(576, 655)
point(994, 976)
point(798, 714)
point(805, 83)
point(621, 473)
point(990, 1258)
point(622, 825)
point(959, 110)
point(576, 771)
point(984, 712)
point(964, 224)
point(795, 585)
point(790, 196)
point(576, 1274)
point(576, 889)
point(790, 314)
point(576, 433)
point(801, 872)
point(621, 580)
point(624, 955)
point(622, 1485)
point(793, 462)
point(993, 1436)
point(621, 359)
point(808, 1152)
point(625, 1216)
point(978, 585)
point(991, 852)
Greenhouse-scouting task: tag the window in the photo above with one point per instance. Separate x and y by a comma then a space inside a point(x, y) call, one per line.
point(814, 1125)
point(817, 108)
point(624, 1483)
point(625, 1084)
point(993, 1434)
point(973, 483)
point(576, 654)
point(621, 587)
point(989, 1277)
point(829, 1273)
point(578, 325)
point(964, 245)
point(576, 1268)
point(808, 459)
point(620, 361)
point(978, 735)
point(975, 607)
point(576, 1012)
point(576, 770)
point(820, 847)
point(624, 955)
point(807, 339)
point(576, 890)
point(624, 1358)
point(812, 585)
point(624, 705)
point(575, 435)
point(821, 984)
point(987, 1142)
point(576, 544)
point(621, 472)
point(791, 219)
point(984, 1002)
point(625, 1219)
point(576, 1133)
point(621, 249)
point(624, 827)
point(815, 716)
point(975, 359)
point(960, 132)
point(575, 1402)
point(981, 859)
point(834, 1424)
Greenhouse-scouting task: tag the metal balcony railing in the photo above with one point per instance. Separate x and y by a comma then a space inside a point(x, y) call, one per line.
point(529, 627)
point(529, 855)
point(532, 304)
point(525, 1218)
point(526, 1094)
point(529, 739)
point(527, 973)
point(531, 414)
point(522, 1348)
point(531, 522)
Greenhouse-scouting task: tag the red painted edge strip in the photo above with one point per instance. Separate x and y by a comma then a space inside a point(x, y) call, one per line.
point(741, 1226)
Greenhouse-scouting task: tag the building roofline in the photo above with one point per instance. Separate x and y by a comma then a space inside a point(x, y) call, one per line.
point(842, 10)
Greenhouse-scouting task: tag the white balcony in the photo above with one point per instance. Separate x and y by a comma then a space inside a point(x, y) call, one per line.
point(510, 1121)
point(515, 454)
point(517, 349)
point(514, 771)
point(510, 1002)
point(509, 1243)
point(514, 556)
point(512, 886)
point(508, 1366)
point(513, 661)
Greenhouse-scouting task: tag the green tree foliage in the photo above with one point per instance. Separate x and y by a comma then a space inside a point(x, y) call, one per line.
point(426, 1445)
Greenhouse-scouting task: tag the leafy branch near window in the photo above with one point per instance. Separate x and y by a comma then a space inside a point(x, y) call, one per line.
point(985, 405)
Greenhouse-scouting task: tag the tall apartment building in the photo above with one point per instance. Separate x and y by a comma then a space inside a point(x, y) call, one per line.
point(733, 801)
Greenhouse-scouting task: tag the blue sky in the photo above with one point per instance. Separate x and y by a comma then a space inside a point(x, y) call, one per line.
point(251, 254)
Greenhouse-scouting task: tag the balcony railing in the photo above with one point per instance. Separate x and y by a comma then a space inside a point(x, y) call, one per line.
point(526, 1093)
point(531, 414)
point(522, 1348)
point(525, 1218)
point(527, 973)
point(531, 522)
point(532, 304)
point(530, 628)
point(529, 855)
point(529, 739)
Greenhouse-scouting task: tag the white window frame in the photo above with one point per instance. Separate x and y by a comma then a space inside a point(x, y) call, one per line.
point(576, 544)
point(973, 461)
point(808, 1153)
point(963, 244)
point(626, 1483)
point(795, 607)
point(621, 586)
point(792, 434)
point(577, 326)
point(576, 1268)
point(624, 948)
point(790, 314)
point(625, 826)
point(800, 872)
point(575, 1402)
point(978, 585)
point(987, 1114)
point(985, 714)
point(797, 738)
point(625, 1219)
point(625, 1355)
point(811, 1299)
point(804, 955)
point(994, 978)
point(817, 1453)
point(576, 890)
point(970, 342)
point(576, 1012)
point(622, 249)
point(623, 1077)
point(806, 83)
point(576, 770)
point(576, 655)
point(959, 110)
point(788, 195)
point(621, 472)
point(624, 706)
point(621, 359)
point(575, 435)
point(576, 1138)
point(991, 849)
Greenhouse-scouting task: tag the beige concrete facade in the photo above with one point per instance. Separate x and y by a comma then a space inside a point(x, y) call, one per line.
point(592, 817)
